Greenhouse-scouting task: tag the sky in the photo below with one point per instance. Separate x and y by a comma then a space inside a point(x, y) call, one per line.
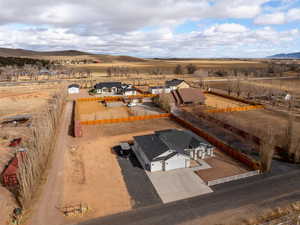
point(153, 28)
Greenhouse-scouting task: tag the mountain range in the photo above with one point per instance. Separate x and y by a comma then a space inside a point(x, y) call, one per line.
point(295, 55)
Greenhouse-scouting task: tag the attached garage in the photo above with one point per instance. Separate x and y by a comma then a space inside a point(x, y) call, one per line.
point(176, 162)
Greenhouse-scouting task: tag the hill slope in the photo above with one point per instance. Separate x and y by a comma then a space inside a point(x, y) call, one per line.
point(48, 55)
point(10, 52)
point(295, 55)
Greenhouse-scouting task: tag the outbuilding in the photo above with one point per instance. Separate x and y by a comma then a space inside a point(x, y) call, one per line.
point(73, 89)
point(176, 84)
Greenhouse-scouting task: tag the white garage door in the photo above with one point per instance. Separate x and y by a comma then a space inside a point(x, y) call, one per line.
point(175, 163)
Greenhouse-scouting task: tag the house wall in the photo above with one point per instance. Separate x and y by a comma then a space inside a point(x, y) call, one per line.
point(130, 93)
point(156, 166)
point(160, 91)
point(73, 90)
point(141, 156)
point(177, 162)
point(183, 85)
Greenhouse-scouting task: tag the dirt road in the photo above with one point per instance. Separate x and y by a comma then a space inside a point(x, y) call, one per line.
point(45, 210)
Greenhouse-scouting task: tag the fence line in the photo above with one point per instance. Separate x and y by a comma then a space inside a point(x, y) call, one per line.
point(235, 109)
point(126, 119)
point(115, 98)
point(232, 178)
point(251, 163)
point(231, 97)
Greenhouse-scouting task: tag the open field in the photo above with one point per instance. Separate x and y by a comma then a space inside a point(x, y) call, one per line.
point(92, 173)
point(19, 100)
point(260, 122)
point(169, 65)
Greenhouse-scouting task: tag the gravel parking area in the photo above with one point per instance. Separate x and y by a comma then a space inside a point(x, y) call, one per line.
point(138, 184)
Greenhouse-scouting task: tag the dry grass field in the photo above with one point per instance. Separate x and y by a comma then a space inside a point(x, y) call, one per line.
point(18, 100)
point(221, 103)
point(169, 65)
point(14, 101)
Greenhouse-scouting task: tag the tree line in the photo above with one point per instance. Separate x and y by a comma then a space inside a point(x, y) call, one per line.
point(21, 62)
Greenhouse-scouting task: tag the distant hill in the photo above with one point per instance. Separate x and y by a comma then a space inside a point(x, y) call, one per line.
point(10, 52)
point(295, 55)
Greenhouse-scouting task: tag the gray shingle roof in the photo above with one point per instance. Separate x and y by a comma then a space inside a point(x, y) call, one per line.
point(154, 145)
point(108, 85)
point(151, 145)
point(73, 85)
point(173, 82)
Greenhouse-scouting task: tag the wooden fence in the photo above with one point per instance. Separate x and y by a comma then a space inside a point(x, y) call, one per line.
point(115, 98)
point(127, 119)
point(235, 109)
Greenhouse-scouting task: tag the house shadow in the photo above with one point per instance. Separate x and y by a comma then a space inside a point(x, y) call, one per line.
point(128, 155)
point(71, 125)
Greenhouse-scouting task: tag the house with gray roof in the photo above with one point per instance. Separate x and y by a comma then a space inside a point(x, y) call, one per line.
point(170, 149)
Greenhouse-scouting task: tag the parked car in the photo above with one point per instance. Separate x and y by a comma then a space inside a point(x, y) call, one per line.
point(131, 104)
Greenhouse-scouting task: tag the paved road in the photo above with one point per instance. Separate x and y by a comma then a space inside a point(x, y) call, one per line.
point(263, 190)
point(45, 210)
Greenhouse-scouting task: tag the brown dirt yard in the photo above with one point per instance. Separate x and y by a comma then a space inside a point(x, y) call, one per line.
point(18, 100)
point(222, 166)
point(97, 111)
point(92, 173)
point(220, 102)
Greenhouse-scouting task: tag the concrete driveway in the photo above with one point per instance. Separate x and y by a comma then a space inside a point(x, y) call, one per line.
point(177, 184)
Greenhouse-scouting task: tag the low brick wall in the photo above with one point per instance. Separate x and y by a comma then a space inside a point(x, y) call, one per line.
point(232, 178)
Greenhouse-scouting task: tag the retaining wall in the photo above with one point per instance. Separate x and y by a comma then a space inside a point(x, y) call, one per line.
point(232, 178)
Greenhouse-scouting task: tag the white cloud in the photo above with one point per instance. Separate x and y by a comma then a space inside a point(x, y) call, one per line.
point(278, 17)
point(293, 14)
point(274, 18)
point(123, 27)
point(219, 40)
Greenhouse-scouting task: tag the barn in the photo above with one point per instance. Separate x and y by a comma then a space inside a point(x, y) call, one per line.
point(73, 89)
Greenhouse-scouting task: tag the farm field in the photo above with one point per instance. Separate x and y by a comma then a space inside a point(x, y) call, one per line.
point(100, 68)
point(92, 173)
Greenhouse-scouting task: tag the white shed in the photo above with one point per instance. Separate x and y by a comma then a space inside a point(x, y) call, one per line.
point(73, 89)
